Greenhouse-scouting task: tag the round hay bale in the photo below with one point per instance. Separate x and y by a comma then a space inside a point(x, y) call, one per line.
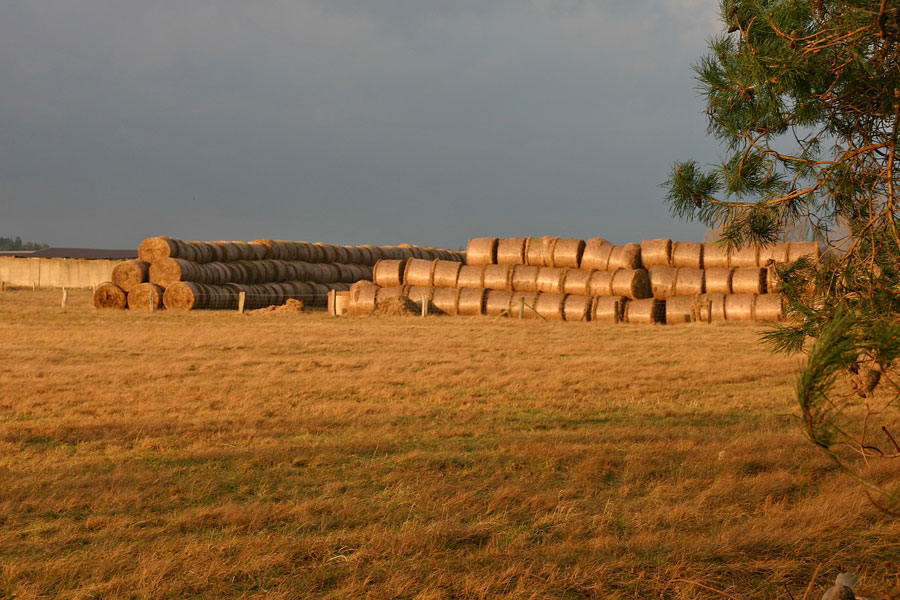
point(218, 251)
point(680, 309)
point(773, 280)
point(389, 273)
point(109, 295)
point(446, 273)
point(718, 280)
point(498, 277)
point(445, 300)
point(268, 250)
point(649, 310)
point(539, 251)
point(471, 301)
point(470, 277)
point(482, 251)
point(526, 310)
point(716, 255)
point(710, 307)
point(524, 278)
point(577, 308)
point(384, 293)
point(346, 273)
point(568, 253)
point(419, 272)
point(769, 308)
point(749, 280)
point(298, 250)
point(610, 309)
point(331, 274)
point(328, 252)
point(166, 271)
point(662, 282)
point(772, 254)
point(808, 249)
point(259, 250)
point(601, 283)
point(141, 295)
point(199, 253)
point(656, 253)
point(739, 307)
point(746, 256)
point(689, 281)
point(578, 281)
point(596, 254)
point(497, 303)
point(687, 254)
point(631, 283)
point(233, 253)
point(550, 306)
point(154, 248)
point(341, 256)
point(362, 298)
point(551, 280)
point(281, 270)
point(418, 294)
point(627, 256)
point(130, 273)
point(187, 295)
point(511, 251)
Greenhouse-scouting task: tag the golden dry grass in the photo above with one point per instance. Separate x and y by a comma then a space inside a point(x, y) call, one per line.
point(212, 455)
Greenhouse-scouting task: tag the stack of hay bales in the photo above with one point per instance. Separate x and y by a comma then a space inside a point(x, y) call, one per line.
point(656, 281)
point(181, 275)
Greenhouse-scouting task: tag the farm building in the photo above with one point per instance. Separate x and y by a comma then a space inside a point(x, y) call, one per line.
point(60, 267)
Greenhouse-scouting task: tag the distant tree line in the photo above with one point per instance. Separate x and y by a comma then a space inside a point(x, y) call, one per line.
point(17, 244)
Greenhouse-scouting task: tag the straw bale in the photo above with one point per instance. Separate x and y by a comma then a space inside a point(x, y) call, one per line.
point(710, 307)
point(747, 256)
point(773, 253)
point(498, 277)
point(749, 280)
point(445, 300)
point(578, 281)
point(347, 273)
point(259, 250)
point(656, 253)
point(200, 255)
point(341, 256)
point(331, 272)
point(302, 251)
point(482, 251)
point(389, 273)
point(662, 282)
point(773, 280)
point(515, 304)
point(610, 309)
point(539, 251)
point(687, 254)
point(109, 295)
point(446, 273)
point(187, 295)
point(470, 277)
point(166, 271)
point(497, 303)
point(328, 252)
point(158, 247)
point(718, 280)
point(130, 273)
point(246, 250)
point(596, 254)
point(281, 270)
point(471, 301)
point(631, 283)
point(807, 249)
point(419, 272)
point(627, 256)
point(319, 296)
point(680, 309)
point(232, 252)
point(769, 307)
point(384, 293)
point(716, 255)
point(568, 252)
point(511, 251)
point(601, 283)
point(739, 307)
point(418, 294)
point(362, 298)
point(551, 280)
point(524, 278)
point(550, 306)
point(689, 281)
point(577, 308)
point(649, 310)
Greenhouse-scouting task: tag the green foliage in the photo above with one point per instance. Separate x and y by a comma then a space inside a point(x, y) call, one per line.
point(804, 95)
point(16, 244)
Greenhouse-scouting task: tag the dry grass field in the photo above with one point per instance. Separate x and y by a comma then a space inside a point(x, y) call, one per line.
point(216, 455)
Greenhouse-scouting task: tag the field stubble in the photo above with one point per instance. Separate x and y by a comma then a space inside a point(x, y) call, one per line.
point(209, 454)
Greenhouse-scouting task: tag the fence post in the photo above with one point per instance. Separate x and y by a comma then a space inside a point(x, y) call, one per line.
point(2, 286)
point(242, 299)
point(332, 303)
point(709, 311)
point(65, 297)
point(521, 308)
point(152, 301)
point(33, 286)
point(424, 307)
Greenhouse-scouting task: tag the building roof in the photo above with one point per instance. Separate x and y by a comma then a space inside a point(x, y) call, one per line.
point(94, 253)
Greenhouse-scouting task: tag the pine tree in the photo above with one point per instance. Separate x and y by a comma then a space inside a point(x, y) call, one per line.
point(805, 98)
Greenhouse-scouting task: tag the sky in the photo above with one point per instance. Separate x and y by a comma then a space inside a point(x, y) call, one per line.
point(347, 121)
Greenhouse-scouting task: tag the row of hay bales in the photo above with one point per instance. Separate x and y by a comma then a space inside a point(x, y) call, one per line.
point(599, 254)
point(175, 274)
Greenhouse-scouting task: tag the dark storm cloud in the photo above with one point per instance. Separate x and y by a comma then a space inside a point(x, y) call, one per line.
point(346, 121)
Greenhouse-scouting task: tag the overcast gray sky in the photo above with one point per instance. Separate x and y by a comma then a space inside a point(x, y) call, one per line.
point(347, 121)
